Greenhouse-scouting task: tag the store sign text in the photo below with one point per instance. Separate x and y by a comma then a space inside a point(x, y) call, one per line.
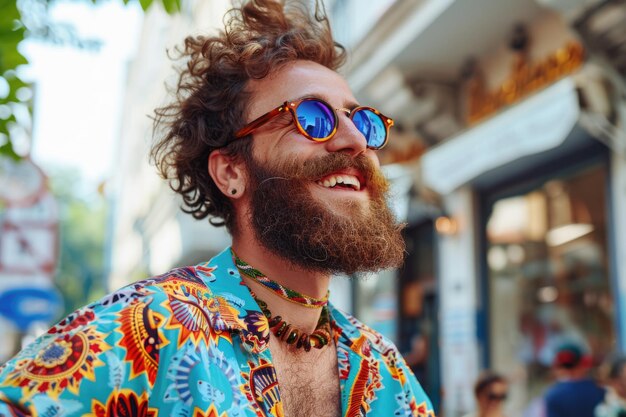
point(524, 79)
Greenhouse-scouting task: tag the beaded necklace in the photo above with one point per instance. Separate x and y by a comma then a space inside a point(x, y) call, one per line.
point(296, 337)
point(283, 292)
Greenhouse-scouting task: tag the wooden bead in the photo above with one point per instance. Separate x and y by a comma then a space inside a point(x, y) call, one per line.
point(274, 321)
point(301, 339)
point(283, 331)
point(293, 336)
point(279, 329)
point(278, 326)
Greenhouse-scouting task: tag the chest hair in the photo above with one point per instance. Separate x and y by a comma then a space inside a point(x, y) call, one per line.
point(309, 381)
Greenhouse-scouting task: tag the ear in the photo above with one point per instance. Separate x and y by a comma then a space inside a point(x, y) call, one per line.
point(227, 173)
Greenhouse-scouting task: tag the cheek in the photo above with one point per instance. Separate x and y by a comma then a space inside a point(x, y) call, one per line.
point(263, 148)
point(296, 146)
point(373, 155)
point(270, 147)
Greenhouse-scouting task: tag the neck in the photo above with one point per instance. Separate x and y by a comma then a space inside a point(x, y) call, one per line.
point(312, 283)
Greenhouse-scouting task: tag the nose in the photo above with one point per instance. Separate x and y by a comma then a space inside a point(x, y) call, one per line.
point(348, 138)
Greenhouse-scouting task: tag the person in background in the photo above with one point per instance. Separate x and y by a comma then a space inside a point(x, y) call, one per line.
point(614, 404)
point(574, 394)
point(491, 390)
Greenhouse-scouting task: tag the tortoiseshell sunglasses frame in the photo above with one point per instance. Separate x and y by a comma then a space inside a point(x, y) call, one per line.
point(291, 107)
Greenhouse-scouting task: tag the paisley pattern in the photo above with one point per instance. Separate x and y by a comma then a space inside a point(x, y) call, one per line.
point(191, 343)
point(263, 385)
point(190, 317)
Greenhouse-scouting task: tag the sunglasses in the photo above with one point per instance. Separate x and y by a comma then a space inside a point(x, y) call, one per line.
point(316, 120)
point(497, 397)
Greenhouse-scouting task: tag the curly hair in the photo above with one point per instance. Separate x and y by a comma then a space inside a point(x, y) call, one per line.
point(210, 97)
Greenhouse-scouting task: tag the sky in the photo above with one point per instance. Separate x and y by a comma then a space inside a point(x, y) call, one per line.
point(79, 93)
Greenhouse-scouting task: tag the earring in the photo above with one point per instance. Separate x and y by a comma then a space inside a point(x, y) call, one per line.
point(233, 191)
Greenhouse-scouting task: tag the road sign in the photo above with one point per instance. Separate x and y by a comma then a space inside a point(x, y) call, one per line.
point(29, 237)
point(24, 306)
point(21, 181)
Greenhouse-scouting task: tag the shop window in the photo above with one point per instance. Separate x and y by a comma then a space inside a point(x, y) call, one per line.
point(548, 280)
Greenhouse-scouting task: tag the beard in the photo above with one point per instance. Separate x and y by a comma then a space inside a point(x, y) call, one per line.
point(290, 222)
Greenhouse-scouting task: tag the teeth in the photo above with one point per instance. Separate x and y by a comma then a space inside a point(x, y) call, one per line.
point(330, 182)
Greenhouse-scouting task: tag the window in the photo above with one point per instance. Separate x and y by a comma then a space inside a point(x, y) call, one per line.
point(548, 279)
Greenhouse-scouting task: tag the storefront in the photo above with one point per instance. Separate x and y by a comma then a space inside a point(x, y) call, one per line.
point(545, 269)
point(530, 192)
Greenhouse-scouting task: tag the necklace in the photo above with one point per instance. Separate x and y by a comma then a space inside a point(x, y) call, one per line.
point(282, 291)
point(293, 336)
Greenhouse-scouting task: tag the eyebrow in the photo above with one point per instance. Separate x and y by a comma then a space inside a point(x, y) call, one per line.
point(347, 104)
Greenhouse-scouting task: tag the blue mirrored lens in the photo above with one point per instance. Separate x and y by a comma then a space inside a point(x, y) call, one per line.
point(372, 127)
point(316, 118)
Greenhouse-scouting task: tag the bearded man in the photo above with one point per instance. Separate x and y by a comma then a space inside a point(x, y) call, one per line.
point(267, 139)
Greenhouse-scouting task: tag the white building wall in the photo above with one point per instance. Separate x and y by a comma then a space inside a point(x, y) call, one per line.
point(618, 233)
point(150, 236)
point(458, 292)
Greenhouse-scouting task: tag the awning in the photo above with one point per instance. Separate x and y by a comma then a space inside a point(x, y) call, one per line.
point(523, 136)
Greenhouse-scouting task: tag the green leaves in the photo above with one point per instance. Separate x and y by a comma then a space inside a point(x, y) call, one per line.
point(12, 32)
point(7, 150)
point(171, 6)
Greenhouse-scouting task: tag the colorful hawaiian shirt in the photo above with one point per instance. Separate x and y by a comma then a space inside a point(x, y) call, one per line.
point(190, 343)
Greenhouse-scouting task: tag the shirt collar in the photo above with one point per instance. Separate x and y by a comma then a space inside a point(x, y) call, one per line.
point(233, 309)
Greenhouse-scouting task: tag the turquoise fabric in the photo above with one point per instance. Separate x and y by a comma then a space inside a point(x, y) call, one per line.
point(190, 343)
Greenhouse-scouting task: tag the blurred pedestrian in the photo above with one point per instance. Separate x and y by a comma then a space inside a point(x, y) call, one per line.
point(574, 394)
point(614, 404)
point(491, 390)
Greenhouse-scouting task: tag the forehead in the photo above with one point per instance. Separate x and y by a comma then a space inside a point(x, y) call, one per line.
point(498, 386)
point(298, 79)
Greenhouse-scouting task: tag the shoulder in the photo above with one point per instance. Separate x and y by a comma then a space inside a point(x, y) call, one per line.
point(385, 366)
point(555, 390)
point(137, 326)
point(200, 282)
point(353, 329)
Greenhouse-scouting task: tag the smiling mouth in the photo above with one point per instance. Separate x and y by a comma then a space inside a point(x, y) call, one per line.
point(341, 182)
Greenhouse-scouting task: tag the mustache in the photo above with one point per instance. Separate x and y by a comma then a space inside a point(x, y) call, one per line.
point(321, 166)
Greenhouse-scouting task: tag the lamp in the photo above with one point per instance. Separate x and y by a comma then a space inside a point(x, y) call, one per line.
point(446, 226)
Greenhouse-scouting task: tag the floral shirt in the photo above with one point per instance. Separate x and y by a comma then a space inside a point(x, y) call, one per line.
point(190, 343)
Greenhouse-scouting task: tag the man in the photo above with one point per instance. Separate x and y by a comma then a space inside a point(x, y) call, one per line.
point(574, 394)
point(265, 137)
point(614, 404)
point(490, 390)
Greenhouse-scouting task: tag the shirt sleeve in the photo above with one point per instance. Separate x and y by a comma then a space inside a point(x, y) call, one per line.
point(101, 357)
point(418, 399)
